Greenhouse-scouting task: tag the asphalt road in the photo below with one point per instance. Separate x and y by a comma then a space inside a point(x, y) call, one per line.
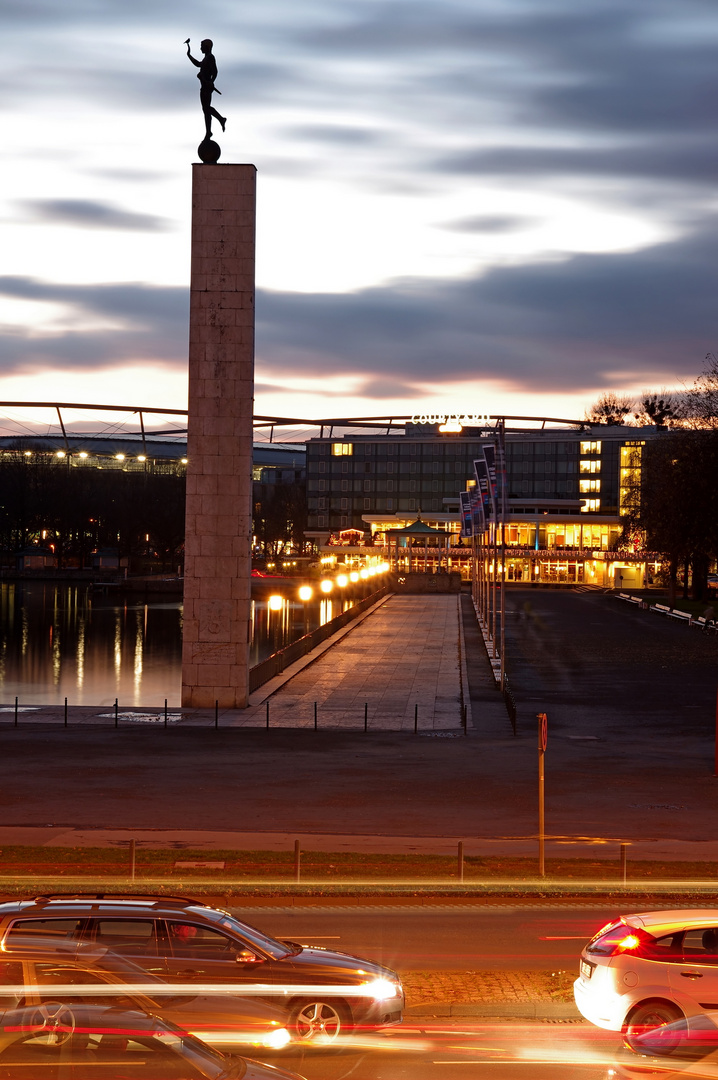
point(472, 1051)
point(471, 938)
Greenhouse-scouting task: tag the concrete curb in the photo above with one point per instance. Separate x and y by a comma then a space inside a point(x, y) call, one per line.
point(463, 672)
point(515, 1010)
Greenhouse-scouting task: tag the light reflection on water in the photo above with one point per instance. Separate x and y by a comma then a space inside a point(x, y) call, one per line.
point(62, 641)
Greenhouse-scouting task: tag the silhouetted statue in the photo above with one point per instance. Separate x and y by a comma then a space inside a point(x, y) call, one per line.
point(207, 74)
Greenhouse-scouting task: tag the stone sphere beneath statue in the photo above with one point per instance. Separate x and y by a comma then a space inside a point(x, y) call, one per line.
point(209, 152)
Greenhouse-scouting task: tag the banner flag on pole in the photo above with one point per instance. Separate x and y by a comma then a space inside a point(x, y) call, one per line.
point(477, 512)
point(467, 525)
point(489, 452)
point(482, 484)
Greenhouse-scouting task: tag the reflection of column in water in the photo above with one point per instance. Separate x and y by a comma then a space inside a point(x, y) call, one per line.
point(118, 645)
point(139, 650)
point(56, 658)
point(252, 607)
point(25, 631)
point(80, 654)
point(325, 612)
point(275, 620)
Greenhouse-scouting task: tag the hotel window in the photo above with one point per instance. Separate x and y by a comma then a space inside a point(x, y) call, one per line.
point(412, 485)
point(412, 466)
point(589, 485)
point(590, 447)
point(590, 505)
point(367, 504)
point(590, 465)
point(322, 466)
point(342, 449)
point(322, 504)
point(390, 466)
point(367, 485)
point(322, 485)
point(390, 504)
point(345, 485)
point(321, 521)
point(412, 504)
point(630, 476)
point(390, 485)
point(343, 521)
point(344, 504)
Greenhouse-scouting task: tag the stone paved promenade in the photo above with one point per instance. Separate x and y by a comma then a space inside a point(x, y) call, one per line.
point(405, 656)
point(401, 659)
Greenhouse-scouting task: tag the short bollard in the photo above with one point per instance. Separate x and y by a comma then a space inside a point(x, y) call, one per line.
point(297, 861)
point(165, 712)
point(216, 714)
point(133, 844)
point(366, 714)
point(65, 712)
point(416, 719)
point(624, 864)
point(460, 861)
point(463, 720)
point(15, 712)
point(315, 716)
point(267, 714)
point(116, 714)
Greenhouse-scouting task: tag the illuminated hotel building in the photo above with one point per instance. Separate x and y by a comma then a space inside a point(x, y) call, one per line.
point(566, 492)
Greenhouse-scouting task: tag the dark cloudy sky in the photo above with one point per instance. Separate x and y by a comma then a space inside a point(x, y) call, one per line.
point(484, 205)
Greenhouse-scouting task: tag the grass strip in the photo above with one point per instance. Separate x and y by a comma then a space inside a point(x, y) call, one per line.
point(28, 870)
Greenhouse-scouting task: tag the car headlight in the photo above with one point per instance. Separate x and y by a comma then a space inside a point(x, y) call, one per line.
point(276, 1040)
point(383, 989)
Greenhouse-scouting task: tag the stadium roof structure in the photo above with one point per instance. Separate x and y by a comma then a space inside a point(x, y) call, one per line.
point(298, 427)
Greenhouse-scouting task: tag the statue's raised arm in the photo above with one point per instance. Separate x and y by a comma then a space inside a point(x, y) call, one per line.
point(207, 74)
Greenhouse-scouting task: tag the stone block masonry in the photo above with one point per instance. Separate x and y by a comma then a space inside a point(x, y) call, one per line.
point(215, 650)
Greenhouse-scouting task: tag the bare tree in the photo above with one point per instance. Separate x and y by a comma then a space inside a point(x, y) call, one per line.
point(701, 400)
point(660, 409)
point(610, 408)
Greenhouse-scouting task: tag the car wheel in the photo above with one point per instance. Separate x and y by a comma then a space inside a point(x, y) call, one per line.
point(319, 1022)
point(56, 1020)
point(651, 1014)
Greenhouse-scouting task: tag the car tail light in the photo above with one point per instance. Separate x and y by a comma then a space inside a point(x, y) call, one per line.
point(617, 938)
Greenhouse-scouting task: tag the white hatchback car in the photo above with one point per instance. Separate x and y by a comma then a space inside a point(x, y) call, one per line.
point(641, 971)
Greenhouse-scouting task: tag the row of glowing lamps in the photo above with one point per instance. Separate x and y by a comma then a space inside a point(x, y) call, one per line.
point(327, 585)
point(82, 454)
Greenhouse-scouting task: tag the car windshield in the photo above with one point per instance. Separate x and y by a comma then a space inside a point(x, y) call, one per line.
point(276, 949)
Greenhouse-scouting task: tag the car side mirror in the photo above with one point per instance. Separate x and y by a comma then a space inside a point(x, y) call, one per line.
point(247, 957)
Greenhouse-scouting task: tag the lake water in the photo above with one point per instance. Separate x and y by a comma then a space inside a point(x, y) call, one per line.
point(62, 641)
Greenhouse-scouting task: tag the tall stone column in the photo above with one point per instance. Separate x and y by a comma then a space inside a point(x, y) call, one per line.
point(215, 651)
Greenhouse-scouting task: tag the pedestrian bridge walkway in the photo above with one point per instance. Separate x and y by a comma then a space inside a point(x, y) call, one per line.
point(401, 665)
